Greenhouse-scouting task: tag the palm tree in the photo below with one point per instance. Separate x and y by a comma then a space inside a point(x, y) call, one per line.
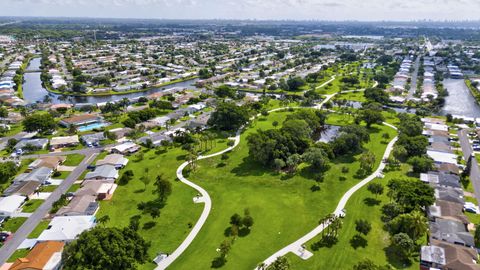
point(418, 225)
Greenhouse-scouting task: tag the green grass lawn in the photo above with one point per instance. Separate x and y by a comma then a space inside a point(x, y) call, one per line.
point(39, 229)
point(353, 96)
point(176, 218)
point(284, 208)
point(49, 188)
point(31, 205)
point(74, 188)
point(73, 159)
point(343, 255)
point(12, 224)
point(63, 175)
point(19, 253)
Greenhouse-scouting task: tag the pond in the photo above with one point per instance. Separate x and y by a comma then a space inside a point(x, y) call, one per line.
point(459, 100)
point(329, 133)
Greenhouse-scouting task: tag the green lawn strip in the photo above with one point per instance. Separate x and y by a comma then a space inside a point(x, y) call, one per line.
point(19, 253)
point(74, 188)
point(473, 218)
point(73, 159)
point(284, 208)
point(176, 218)
point(63, 175)
point(352, 96)
point(43, 225)
point(49, 188)
point(12, 224)
point(343, 255)
point(31, 205)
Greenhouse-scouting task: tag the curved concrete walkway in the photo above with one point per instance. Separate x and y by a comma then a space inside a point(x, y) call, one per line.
point(205, 198)
point(297, 245)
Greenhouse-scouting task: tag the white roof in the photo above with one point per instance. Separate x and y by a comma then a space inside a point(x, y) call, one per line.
point(442, 157)
point(124, 146)
point(66, 228)
point(10, 204)
point(432, 126)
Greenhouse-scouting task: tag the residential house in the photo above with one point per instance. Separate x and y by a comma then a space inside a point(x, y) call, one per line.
point(104, 172)
point(442, 157)
point(81, 120)
point(125, 148)
point(10, 204)
point(446, 256)
point(80, 205)
point(156, 138)
point(93, 139)
point(30, 144)
point(447, 210)
point(451, 231)
point(102, 190)
point(66, 141)
point(23, 188)
point(43, 256)
point(449, 194)
point(121, 133)
point(51, 162)
point(116, 160)
point(441, 179)
point(66, 228)
point(39, 175)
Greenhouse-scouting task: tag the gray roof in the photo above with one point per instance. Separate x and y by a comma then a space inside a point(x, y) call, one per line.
point(451, 231)
point(443, 179)
point(93, 138)
point(104, 171)
point(449, 194)
point(38, 143)
point(40, 175)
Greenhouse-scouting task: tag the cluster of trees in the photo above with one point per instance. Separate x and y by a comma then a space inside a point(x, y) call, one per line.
point(293, 83)
point(363, 227)
point(283, 147)
point(349, 140)
point(376, 95)
point(39, 121)
point(370, 113)
point(281, 263)
point(106, 248)
point(239, 226)
point(7, 170)
point(229, 117)
point(137, 117)
point(403, 216)
point(412, 146)
point(332, 225)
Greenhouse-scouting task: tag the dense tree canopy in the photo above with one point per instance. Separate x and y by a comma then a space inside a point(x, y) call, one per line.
point(411, 194)
point(229, 116)
point(106, 249)
point(41, 122)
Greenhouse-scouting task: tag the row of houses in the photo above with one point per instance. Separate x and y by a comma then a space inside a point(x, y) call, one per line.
point(451, 245)
point(7, 84)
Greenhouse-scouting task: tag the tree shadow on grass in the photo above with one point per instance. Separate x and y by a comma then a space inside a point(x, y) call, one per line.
point(181, 157)
point(249, 167)
point(358, 241)
point(149, 225)
point(326, 241)
point(371, 201)
point(243, 232)
point(395, 260)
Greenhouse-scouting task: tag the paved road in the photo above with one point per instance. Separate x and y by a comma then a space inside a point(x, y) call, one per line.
point(297, 245)
point(205, 198)
point(327, 82)
point(474, 169)
point(9, 248)
point(413, 83)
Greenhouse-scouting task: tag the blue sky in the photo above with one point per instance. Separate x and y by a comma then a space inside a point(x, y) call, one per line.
point(249, 9)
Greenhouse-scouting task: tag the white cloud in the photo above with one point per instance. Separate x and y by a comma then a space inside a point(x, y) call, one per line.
point(248, 9)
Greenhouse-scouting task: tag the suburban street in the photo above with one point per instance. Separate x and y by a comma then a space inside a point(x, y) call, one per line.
point(474, 169)
point(413, 84)
point(21, 234)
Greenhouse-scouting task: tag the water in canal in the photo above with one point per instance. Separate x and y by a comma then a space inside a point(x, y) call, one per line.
point(33, 91)
point(459, 100)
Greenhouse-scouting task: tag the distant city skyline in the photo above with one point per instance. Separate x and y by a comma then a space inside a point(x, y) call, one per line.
point(365, 10)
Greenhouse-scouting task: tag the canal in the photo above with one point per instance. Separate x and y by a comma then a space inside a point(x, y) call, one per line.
point(459, 100)
point(33, 91)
